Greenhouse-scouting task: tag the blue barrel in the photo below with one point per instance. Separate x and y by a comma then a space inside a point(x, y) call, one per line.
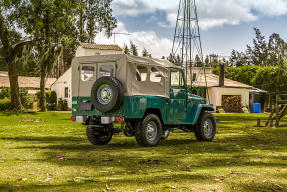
point(257, 108)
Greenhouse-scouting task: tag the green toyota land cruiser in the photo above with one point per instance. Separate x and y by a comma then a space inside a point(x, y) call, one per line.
point(141, 97)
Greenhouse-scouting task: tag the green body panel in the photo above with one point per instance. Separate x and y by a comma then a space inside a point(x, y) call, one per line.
point(174, 111)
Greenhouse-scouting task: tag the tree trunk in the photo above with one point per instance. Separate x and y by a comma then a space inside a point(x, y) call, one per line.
point(12, 69)
point(14, 87)
point(42, 89)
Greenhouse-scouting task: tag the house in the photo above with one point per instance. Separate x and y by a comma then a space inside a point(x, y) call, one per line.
point(218, 94)
point(63, 85)
point(32, 84)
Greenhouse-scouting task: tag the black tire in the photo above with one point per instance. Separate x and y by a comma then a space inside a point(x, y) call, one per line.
point(116, 94)
point(144, 138)
point(205, 129)
point(99, 138)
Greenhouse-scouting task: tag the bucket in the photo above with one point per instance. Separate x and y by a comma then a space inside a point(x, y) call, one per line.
point(257, 108)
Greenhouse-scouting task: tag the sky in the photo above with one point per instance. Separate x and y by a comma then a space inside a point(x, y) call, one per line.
point(224, 24)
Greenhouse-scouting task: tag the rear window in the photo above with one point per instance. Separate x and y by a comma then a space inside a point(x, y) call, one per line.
point(155, 75)
point(141, 73)
point(87, 73)
point(106, 70)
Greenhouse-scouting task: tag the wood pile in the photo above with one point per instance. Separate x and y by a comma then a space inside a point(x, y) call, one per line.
point(232, 104)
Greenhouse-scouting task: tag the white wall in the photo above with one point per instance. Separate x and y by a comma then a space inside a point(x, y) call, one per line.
point(60, 85)
point(216, 93)
point(92, 52)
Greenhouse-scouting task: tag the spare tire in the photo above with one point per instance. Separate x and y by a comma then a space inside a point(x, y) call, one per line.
point(107, 94)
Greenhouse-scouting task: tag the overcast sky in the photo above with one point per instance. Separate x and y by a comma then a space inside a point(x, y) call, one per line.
point(224, 24)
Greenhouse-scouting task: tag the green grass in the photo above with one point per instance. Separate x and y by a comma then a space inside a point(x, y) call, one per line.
point(55, 155)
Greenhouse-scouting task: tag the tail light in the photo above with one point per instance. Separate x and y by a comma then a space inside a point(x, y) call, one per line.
point(121, 119)
point(73, 118)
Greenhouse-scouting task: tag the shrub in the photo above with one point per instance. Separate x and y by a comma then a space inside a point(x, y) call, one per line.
point(4, 93)
point(25, 99)
point(5, 104)
point(63, 105)
point(51, 99)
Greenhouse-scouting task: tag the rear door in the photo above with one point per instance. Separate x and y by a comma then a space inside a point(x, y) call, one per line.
point(106, 69)
point(88, 76)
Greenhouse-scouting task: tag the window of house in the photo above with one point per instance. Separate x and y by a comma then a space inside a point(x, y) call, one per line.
point(87, 73)
point(155, 75)
point(141, 73)
point(177, 78)
point(66, 92)
point(194, 77)
point(106, 70)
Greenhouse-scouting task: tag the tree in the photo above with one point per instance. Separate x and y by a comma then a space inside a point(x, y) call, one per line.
point(126, 50)
point(206, 61)
point(13, 50)
point(95, 16)
point(198, 62)
point(272, 79)
point(276, 48)
point(133, 49)
point(145, 53)
point(52, 25)
point(48, 25)
point(174, 59)
point(259, 52)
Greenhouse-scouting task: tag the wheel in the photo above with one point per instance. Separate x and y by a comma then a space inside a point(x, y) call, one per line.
point(206, 127)
point(99, 138)
point(148, 132)
point(107, 94)
point(165, 134)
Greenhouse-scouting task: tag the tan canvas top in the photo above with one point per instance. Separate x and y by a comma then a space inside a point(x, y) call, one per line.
point(126, 71)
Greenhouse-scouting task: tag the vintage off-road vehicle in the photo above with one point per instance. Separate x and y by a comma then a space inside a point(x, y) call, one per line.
point(141, 97)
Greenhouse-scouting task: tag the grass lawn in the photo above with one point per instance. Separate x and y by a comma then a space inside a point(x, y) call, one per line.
point(55, 155)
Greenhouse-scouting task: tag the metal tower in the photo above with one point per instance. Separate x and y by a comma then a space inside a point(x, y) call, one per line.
point(187, 41)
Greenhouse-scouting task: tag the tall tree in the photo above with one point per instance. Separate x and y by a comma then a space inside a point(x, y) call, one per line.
point(175, 59)
point(277, 48)
point(145, 53)
point(47, 23)
point(126, 50)
point(95, 16)
point(206, 61)
point(259, 52)
point(13, 50)
point(133, 49)
point(198, 62)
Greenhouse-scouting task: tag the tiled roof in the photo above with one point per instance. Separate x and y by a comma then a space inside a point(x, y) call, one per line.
point(27, 82)
point(213, 81)
point(101, 46)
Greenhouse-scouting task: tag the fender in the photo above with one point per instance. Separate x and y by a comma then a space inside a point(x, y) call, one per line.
point(199, 108)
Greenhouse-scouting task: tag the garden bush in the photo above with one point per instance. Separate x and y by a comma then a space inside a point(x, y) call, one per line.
point(63, 105)
point(51, 99)
point(5, 104)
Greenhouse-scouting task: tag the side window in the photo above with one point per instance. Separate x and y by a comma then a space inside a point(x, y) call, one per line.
point(141, 73)
point(155, 75)
point(87, 73)
point(176, 78)
point(106, 70)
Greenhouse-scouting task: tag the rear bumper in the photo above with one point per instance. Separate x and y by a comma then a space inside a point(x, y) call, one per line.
point(80, 119)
